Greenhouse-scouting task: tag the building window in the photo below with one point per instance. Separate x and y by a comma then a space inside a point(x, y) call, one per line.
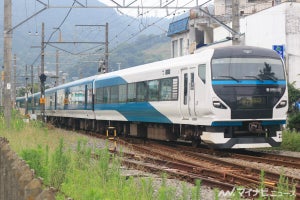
point(174, 48)
point(181, 47)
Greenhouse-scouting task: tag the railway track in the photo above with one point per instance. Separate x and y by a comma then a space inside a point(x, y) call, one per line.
point(267, 158)
point(209, 165)
point(248, 155)
point(188, 163)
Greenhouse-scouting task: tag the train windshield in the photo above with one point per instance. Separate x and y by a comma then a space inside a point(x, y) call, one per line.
point(247, 68)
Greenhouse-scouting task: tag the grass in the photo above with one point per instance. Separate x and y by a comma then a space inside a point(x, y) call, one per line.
point(64, 161)
point(290, 141)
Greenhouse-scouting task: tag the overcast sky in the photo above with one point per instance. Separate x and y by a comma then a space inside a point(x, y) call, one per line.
point(155, 3)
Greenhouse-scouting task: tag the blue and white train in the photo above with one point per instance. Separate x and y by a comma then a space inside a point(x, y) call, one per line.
point(227, 97)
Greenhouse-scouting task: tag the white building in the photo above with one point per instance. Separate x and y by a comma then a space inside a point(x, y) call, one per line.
point(263, 24)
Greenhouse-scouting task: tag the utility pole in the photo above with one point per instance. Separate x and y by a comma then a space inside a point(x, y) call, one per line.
point(236, 22)
point(14, 82)
point(32, 91)
point(26, 90)
point(103, 64)
point(43, 76)
point(1, 86)
point(106, 48)
point(7, 35)
point(57, 68)
point(57, 61)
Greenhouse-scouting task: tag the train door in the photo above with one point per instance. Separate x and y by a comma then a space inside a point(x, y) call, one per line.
point(188, 93)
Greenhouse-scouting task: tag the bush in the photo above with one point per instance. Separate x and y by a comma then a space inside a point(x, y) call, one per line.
point(294, 121)
point(36, 159)
point(290, 141)
point(58, 166)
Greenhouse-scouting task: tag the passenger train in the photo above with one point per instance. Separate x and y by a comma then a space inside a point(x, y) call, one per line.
point(227, 97)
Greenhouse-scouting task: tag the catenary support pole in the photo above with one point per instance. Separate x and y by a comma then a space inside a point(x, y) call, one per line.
point(7, 35)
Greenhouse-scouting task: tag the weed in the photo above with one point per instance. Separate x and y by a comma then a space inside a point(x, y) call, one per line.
point(196, 191)
point(147, 189)
point(35, 159)
point(164, 192)
point(185, 192)
point(216, 193)
point(285, 190)
point(290, 141)
point(58, 166)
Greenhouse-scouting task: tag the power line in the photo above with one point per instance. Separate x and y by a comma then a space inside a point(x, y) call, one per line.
point(63, 21)
point(134, 35)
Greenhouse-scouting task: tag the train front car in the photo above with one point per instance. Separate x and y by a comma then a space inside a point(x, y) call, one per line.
point(249, 98)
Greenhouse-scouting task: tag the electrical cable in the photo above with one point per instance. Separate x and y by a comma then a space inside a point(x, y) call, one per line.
point(134, 35)
point(63, 21)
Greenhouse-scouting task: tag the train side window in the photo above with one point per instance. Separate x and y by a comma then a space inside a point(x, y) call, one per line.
point(76, 95)
point(106, 95)
point(202, 72)
point(153, 90)
point(185, 89)
point(141, 91)
point(114, 94)
point(131, 87)
point(166, 89)
point(122, 93)
point(89, 89)
point(60, 98)
point(99, 96)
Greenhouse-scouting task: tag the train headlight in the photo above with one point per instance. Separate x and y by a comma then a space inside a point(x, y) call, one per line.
point(282, 104)
point(218, 104)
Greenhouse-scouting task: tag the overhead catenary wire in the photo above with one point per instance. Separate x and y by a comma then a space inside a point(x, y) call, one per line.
point(134, 35)
point(63, 21)
point(144, 24)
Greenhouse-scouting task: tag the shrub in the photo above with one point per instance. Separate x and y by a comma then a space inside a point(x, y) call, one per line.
point(294, 121)
point(58, 166)
point(290, 141)
point(37, 160)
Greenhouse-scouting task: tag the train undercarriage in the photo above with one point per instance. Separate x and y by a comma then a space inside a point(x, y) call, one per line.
point(249, 135)
point(165, 132)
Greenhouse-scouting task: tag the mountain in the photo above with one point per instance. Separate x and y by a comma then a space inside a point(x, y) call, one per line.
point(145, 49)
point(123, 31)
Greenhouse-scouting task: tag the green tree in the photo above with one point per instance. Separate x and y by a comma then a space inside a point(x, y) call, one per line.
point(294, 95)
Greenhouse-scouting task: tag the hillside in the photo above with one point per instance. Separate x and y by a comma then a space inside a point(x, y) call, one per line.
point(74, 58)
point(145, 49)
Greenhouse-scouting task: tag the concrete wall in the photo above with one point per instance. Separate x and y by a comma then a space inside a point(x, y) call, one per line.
point(17, 180)
point(293, 42)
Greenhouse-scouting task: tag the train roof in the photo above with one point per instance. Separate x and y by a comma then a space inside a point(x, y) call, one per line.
point(82, 81)
point(164, 64)
point(244, 51)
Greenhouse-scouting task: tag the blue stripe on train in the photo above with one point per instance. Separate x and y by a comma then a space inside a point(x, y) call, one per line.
point(136, 111)
point(248, 82)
